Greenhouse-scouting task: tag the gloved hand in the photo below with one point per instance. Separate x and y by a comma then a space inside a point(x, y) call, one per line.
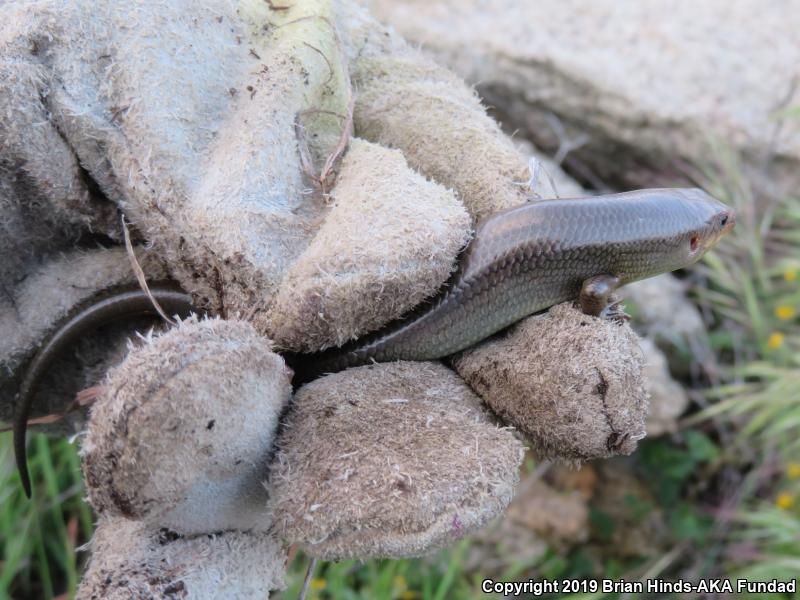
point(308, 177)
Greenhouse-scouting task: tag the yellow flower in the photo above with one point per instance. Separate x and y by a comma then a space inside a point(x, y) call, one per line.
point(790, 274)
point(784, 312)
point(409, 595)
point(318, 583)
point(400, 582)
point(784, 500)
point(793, 470)
point(775, 341)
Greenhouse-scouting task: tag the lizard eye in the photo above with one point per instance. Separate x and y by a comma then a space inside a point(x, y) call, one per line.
point(724, 220)
point(694, 243)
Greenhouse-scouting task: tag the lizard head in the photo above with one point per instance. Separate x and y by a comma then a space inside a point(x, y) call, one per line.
point(716, 220)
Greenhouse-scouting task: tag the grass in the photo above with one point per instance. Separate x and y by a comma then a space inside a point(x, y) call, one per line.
point(438, 578)
point(39, 538)
point(753, 293)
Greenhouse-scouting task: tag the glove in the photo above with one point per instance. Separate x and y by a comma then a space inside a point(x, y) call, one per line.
point(307, 177)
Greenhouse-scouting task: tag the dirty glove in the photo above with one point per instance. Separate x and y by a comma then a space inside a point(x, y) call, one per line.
point(307, 177)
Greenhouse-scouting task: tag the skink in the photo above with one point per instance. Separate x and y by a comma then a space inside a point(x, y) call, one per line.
point(520, 262)
point(529, 258)
point(112, 306)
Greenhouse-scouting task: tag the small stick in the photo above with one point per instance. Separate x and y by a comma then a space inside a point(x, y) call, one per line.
point(325, 58)
point(309, 573)
point(82, 399)
point(140, 276)
point(274, 6)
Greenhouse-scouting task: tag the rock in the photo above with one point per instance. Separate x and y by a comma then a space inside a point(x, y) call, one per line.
point(639, 526)
point(662, 310)
point(548, 511)
point(503, 545)
point(632, 92)
point(582, 480)
point(559, 517)
point(668, 399)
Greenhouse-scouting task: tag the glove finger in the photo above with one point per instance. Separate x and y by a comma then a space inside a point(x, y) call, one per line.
point(389, 460)
point(389, 242)
point(406, 101)
point(572, 383)
point(183, 433)
point(130, 560)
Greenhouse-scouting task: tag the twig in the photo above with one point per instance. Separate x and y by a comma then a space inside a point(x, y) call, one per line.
point(565, 144)
point(344, 140)
point(274, 6)
point(306, 162)
point(325, 58)
point(307, 581)
point(536, 168)
point(140, 276)
point(322, 111)
point(661, 564)
point(82, 399)
point(347, 130)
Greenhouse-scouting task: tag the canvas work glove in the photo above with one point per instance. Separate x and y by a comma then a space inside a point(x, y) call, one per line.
point(307, 177)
